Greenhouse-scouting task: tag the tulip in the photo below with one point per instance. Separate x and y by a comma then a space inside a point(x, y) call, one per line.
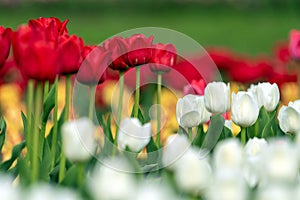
point(133, 134)
point(78, 139)
point(163, 58)
point(274, 192)
point(191, 111)
point(150, 191)
point(294, 45)
point(7, 189)
point(267, 95)
point(48, 192)
point(196, 87)
point(192, 173)
point(244, 110)
point(139, 50)
point(217, 97)
point(176, 146)
point(289, 119)
point(4, 44)
point(70, 53)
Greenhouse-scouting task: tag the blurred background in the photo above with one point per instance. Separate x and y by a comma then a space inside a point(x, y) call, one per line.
point(245, 26)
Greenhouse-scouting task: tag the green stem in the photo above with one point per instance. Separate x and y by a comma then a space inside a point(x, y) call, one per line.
point(46, 89)
point(55, 125)
point(29, 119)
point(137, 92)
point(159, 81)
point(92, 102)
point(80, 175)
point(256, 128)
point(190, 132)
point(243, 136)
point(120, 103)
point(37, 114)
point(67, 110)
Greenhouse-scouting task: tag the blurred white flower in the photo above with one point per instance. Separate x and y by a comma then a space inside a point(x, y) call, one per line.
point(275, 192)
point(48, 192)
point(112, 181)
point(289, 119)
point(244, 109)
point(176, 146)
point(217, 97)
point(228, 155)
point(254, 150)
point(267, 95)
point(153, 191)
point(192, 174)
point(133, 134)
point(227, 186)
point(78, 139)
point(191, 111)
point(281, 162)
point(295, 104)
point(7, 190)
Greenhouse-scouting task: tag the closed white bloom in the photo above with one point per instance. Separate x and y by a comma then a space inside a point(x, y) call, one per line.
point(281, 162)
point(227, 186)
point(175, 147)
point(192, 174)
point(254, 150)
point(217, 97)
point(275, 192)
point(268, 95)
point(289, 119)
point(112, 181)
point(7, 190)
point(47, 192)
point(244, 109)
point(228, 155)
point(295, 104)
point(78, 139)
point(191, 111)
point(133, 134)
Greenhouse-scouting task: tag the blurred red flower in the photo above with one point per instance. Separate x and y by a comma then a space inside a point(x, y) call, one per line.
point(163, 57)
point(195, 87)
point(294, 45)
point(4, 44)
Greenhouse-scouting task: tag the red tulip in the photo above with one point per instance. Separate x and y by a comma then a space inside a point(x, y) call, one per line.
point(93, 68)
point(70, 53)
point(139, 50)
point(223, 58)
point(4, 44)
point(294, 45)
point(163, 57)
point(118, 48)
point(281, 53)
point(195, 87)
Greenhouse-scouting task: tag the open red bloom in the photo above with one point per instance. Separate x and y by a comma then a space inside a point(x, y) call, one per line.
point(139, 50)
point(70, 51)
point(93, 68)
point(294, 45)
point(4, 44)
point(163, 57)
point(118, 48)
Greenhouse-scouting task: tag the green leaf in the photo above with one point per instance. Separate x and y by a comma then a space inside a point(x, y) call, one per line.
point(153, 152)
point(2, 133)
point(71, 177)
point(214, 132)
point(45, 165)
point(24, 120)
point(15, 154)
point(199, 138)
point(108, 139)
point(140, 115)
point(262, 120)
point(49, 104)
point(267, 131)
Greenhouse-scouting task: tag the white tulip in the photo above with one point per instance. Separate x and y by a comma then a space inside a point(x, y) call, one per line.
point(153, 191)
point(228, 155)
point(7, 190)
point(227, 186)
point(254, 150)
point(217, 97)
point(78, 139)
point(268, 95)
point(274, 192)
point(112, 181)
point(244, 109)
point(175, 147)
point(133, 134)
point(191, 111)
point(295, 104)
point(289, 119)
point(48, 192)
point(192, 174)
point(280, 162)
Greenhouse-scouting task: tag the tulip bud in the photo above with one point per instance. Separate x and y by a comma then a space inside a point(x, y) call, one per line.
point(78, 139)
point(191, 111)
point(244, 109)
point(289, 119)
point(267, 95)
point(133, 134)
point(217, 97)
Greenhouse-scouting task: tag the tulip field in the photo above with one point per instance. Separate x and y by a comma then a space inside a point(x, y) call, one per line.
point(148, 113)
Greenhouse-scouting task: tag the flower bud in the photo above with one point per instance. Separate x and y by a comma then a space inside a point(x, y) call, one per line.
point(268, 95)
point(289, 119)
